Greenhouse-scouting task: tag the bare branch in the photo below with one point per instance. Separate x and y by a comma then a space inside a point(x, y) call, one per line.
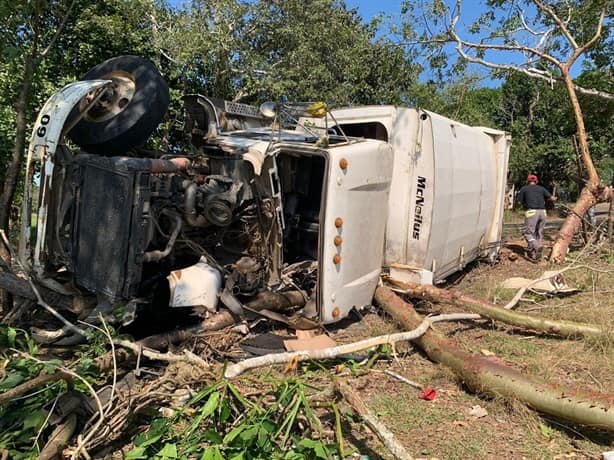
point(484, 46)
point(526, 26)
point(595, 37)
point(562, 25)
point(59, 31)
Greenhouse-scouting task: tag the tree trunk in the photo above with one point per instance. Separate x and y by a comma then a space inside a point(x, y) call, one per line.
point(21, 124)
point(489, 375)
point(21, 288)
point(492, 311)
point(611, 219)
point(592, 192)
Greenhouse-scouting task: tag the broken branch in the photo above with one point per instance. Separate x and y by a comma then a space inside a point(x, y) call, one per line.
point(492, 311)
point(59, 438)
point(487, 375)
point(334, 352)
point(187, 357)
point(325, 353)
point(370, 419)
point(42, 379)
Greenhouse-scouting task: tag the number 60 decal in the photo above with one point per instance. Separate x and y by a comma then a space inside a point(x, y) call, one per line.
point(41, 131)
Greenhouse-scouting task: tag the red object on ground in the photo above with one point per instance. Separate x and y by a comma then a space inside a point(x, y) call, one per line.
point(428, 394)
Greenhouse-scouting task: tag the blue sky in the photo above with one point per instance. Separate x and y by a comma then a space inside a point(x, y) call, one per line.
point(370, 8)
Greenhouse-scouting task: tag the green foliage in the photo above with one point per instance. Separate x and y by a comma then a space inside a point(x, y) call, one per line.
point(319, 50)
point(220, 423)
point(22, 418)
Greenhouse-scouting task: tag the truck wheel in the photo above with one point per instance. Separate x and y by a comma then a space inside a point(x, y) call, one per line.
point(127, 113)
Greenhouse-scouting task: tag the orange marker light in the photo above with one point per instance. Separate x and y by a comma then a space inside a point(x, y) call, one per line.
point(343, 163)
point(338, 240)
point(338, 222)
point(336, 259)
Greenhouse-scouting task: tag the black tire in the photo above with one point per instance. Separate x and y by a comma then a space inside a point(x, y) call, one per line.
point(136, 121)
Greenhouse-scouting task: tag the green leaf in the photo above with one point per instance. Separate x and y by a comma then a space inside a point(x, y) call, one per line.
point(225, 411)
point(212, 453)
point(250, 433)
point(213, 437)
point(34, 420)
point(11, 334)
point(208, 454)
point(138, 453)
point(11, 381)
point(233, 434)
point(168, 451)
point(156, 430)
point(211, 404)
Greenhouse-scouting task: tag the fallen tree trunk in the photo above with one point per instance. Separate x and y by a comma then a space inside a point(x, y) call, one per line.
point(490, 376)
point(492, 311)
point(21, 287)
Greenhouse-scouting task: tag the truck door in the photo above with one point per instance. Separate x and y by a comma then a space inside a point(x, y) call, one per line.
point(355, 214)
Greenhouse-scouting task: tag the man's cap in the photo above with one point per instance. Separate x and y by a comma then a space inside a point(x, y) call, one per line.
point(531, 178)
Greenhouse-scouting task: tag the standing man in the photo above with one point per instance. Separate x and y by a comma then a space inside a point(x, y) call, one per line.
point(534, 198)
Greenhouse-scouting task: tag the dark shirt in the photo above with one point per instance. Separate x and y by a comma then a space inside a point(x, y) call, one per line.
point(533, 196)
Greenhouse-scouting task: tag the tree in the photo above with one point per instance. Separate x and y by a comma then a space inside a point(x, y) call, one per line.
point(321, 50)
point(257, 51)
point(542, 40)
point(30, 30)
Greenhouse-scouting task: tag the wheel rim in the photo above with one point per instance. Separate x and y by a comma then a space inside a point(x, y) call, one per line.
point(114, 100)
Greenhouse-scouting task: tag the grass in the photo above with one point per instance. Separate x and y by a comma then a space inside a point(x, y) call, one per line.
point(443, 428)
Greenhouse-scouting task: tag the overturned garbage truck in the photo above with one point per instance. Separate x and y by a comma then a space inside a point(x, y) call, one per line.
point(251, 209)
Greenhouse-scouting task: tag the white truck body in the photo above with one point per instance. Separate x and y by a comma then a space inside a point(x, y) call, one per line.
point(447, 192)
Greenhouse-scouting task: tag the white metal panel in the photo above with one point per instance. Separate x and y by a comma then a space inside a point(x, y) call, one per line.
point(358, 195)
point(447, 187)
point(46, 135)
point(465, 194)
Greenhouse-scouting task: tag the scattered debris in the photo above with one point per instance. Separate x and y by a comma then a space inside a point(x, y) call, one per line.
point(550, 282)
point(309, 340)
point(428, 394)
point(478, 411)
point(403, 379)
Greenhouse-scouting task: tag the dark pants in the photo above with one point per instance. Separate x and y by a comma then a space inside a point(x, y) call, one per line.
point(534, 222)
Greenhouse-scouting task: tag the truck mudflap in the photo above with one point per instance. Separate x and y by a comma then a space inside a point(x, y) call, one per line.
point(46, 136)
